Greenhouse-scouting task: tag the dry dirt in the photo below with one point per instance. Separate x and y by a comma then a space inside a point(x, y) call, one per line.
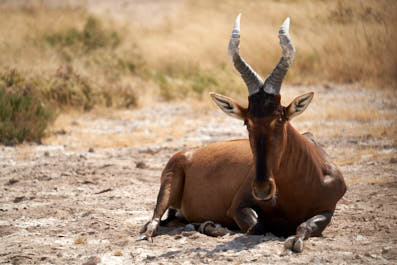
point(83, 195)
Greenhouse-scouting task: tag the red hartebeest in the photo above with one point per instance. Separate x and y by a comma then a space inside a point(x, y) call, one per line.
point(278, 181)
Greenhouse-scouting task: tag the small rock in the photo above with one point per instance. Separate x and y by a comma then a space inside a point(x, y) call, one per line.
point(148, 151)
point(19, 199)
point(141, 165)
point(286, 253)
point(60, 132)
point(92, 261)
point(11, 182)
point(46, 153)
point(385, 249)
point(118, 253)
point(390, 252)
point(91, 150)
point(393, 160)
point(361, 238)
point(316, 260)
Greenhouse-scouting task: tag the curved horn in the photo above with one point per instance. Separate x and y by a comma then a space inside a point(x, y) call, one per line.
point(251, 79)
point(274, 80)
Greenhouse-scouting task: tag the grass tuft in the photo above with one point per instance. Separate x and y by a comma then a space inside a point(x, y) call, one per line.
point(67, 88)
point(24, 114)
point(90, 38)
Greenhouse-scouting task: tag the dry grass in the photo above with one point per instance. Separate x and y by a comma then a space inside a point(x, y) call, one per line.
point(118, 253)
point(185, 55)
point(336, 41)
point(80, 241)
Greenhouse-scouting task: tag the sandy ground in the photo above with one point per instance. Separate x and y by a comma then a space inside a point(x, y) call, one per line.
point(83, 195)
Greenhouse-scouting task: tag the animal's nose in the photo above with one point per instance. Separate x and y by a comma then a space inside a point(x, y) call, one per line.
point(263, 190)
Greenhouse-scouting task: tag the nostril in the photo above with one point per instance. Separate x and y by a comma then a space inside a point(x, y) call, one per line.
point(263, 190)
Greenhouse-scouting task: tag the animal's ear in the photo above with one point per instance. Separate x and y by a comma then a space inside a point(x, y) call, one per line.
point(229, 106)
point(298, 105)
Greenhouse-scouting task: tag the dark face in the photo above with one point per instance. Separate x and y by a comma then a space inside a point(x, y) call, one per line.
point(266, 129)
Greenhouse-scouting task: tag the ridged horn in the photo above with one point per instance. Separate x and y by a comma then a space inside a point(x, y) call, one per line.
point(251, 79)
point(274, 80)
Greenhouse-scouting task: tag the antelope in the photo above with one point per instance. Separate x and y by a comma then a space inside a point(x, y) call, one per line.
point(277, 181)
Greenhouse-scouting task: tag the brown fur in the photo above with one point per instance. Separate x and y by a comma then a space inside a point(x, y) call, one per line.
point(202, 183)
point(293, 186)
point(214, 183)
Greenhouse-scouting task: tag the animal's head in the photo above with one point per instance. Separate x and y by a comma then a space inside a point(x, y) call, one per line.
point(265, 118)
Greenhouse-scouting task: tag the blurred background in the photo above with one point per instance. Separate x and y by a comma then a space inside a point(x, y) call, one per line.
point(61, 56)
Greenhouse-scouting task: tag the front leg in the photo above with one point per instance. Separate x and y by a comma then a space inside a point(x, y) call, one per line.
point(312, 227)
point(248, 221)
point(242, 210)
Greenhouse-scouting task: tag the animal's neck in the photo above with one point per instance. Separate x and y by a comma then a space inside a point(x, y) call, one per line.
point(299, 157)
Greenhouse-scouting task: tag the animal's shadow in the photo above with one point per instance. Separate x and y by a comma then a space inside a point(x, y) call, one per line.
point(237, 244)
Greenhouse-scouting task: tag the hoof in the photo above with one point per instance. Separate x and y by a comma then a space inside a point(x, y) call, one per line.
point(144, 237)
point(294, 243)
point(189, 228)
point(209, 228)
point(204, 225)
point(148, 230)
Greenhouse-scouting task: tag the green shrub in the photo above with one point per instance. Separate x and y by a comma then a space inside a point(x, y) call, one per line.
point(203, 82)
point(177, 82)
point(24, 116)
point(67, 88)
point(92, 37)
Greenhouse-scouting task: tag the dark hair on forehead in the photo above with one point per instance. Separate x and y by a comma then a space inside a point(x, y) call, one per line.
point(263, 104)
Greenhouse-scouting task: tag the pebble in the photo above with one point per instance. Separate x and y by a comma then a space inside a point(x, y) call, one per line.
point(92, 261)
point(393, 160)
point(361, 238)
point(141, 165)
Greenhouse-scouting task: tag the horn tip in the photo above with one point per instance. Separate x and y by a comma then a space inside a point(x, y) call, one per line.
point(284, 29)
point(237, 23)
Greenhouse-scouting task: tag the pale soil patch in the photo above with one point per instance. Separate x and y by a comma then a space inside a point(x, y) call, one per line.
point(63, 204)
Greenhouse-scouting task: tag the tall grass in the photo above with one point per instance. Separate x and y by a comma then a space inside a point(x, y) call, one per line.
point(80, 61)
point(24, 113)
point(336, 41)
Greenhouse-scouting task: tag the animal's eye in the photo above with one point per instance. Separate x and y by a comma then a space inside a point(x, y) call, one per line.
point(278, 122)
point(246, 123)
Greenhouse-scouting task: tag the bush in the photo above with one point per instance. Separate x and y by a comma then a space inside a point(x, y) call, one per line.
point(92, 37)
point(67, 88)
point(24, 116)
